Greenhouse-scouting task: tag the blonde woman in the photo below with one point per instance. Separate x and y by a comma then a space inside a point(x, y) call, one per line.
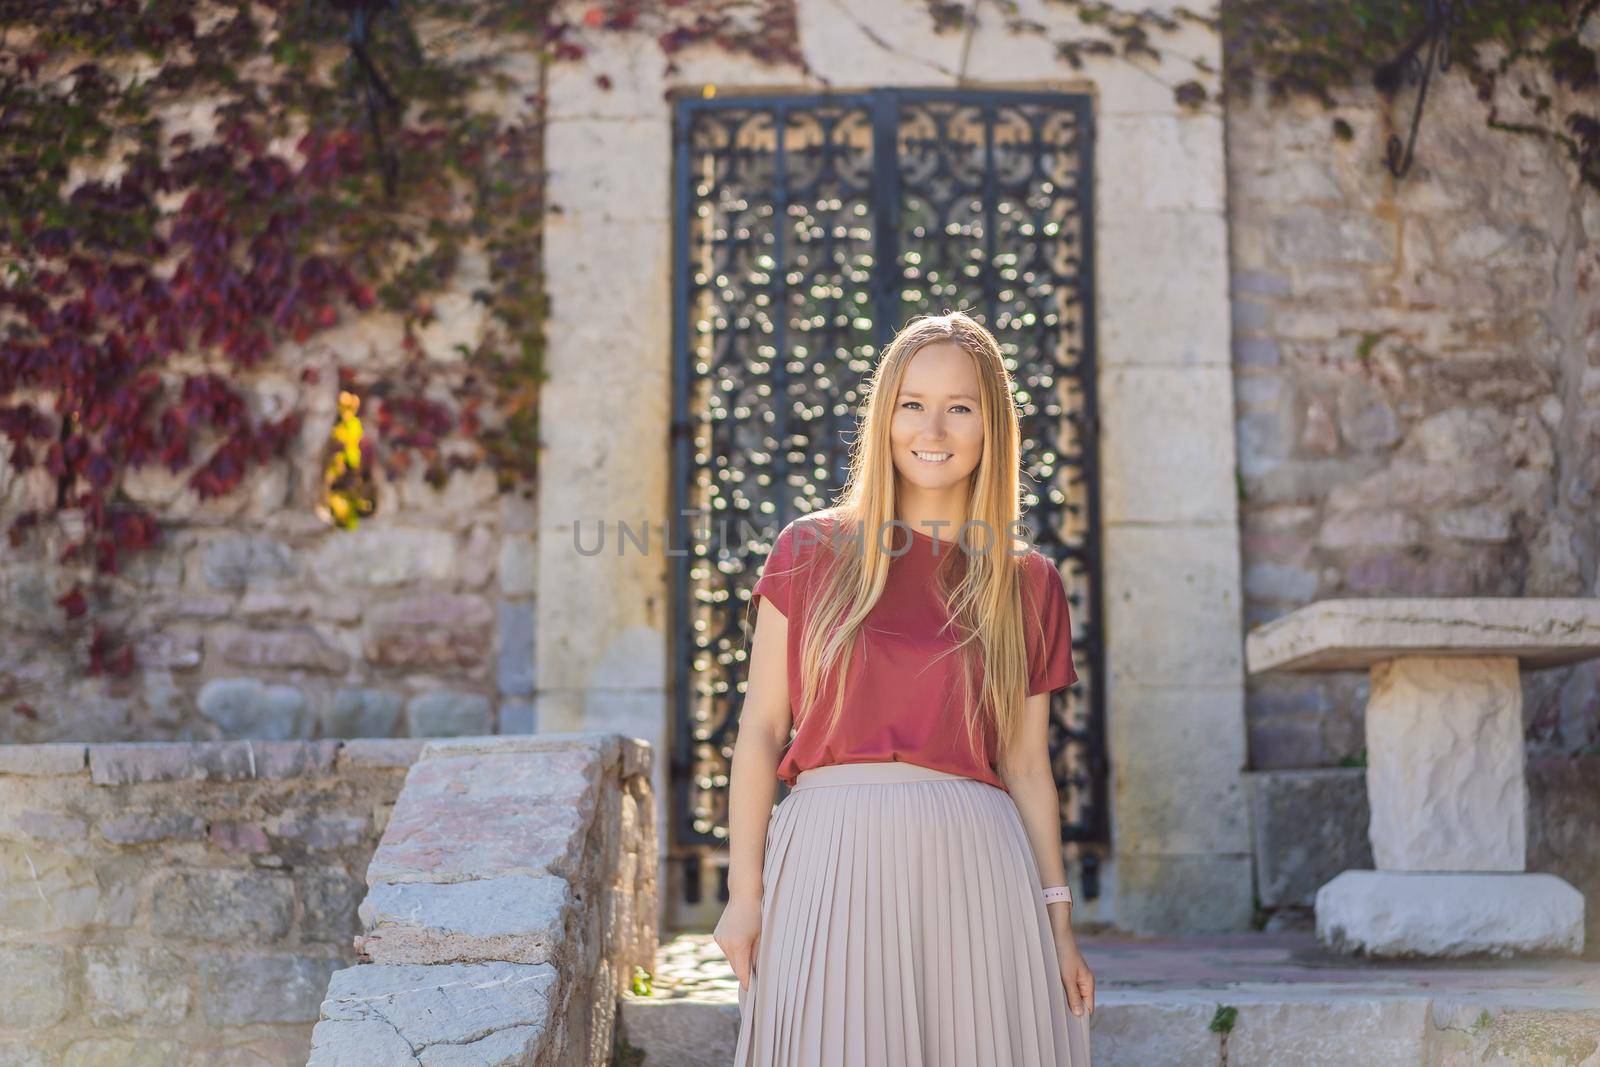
point(906, 904)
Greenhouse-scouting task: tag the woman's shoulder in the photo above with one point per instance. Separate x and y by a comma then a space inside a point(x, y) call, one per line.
point(1039, 570)
point(806, 532)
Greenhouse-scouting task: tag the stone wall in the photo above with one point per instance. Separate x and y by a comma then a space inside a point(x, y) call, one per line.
point(181, 905)
point(1417, 369)
point(510, 901)
point(256, 619)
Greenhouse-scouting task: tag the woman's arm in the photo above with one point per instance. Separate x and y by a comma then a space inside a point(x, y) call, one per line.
point(764, 724)
point(1027, 775)
point(1026, 772)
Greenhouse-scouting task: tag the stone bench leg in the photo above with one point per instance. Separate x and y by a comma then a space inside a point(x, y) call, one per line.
point(1449, 801)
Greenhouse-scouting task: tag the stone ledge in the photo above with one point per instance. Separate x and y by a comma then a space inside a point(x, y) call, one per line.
point(517, 919)
point(132, 762)
point(135, 762)
point(48, 759)
point(1355, 633)
point(487, 1014)
point(381, 752)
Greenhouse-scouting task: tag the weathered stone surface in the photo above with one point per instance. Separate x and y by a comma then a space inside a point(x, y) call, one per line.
point(1445, 761)
point(515, 665)
point(142, 827)
point(1308, 826)
point(1321, 235)
point(519, 919)
point(292, 759)
point(362, 712)
point(519, 566)
point(680, 1032)
point(1564, 824)
point(317, 831)
point(1311, 1032)
point(329, 899)
point(299, 647)
point(462, 1004)
point(236, 990)
point(1191, 894)
point(120, 1052)
point(168, 648)
point(1144, 1035)
point(24, 1054)
point(49, 826)
point(1467, 1034)
point(429, 631)
point(377, 557)
point(131, 762)
point(248, 707)
point(519, 716)
point(34, 985)
point(247, 906)
point(1351, 633)
point(381, 752)
point(489, 815)
point(1433, 914)
point(45, 888)
point(449, 713)
point(133, 984)
point(236, 562)
point(42, 760)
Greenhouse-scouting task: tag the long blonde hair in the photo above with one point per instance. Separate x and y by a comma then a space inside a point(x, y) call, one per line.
point(985, 605)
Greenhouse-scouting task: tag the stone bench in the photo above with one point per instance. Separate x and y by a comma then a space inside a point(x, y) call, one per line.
point(1445, 768)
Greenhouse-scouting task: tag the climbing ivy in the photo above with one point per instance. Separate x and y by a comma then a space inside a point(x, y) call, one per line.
point(1314, 47)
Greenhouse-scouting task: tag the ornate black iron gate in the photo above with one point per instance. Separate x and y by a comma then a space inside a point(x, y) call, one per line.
point(808, 229)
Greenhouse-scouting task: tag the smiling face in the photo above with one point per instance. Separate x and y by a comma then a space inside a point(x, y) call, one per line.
point(937, 430)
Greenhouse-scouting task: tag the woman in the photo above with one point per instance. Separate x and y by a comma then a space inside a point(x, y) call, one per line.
point(906, 904)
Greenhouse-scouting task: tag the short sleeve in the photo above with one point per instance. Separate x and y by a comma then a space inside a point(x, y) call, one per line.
point(1049, 630)
point(778, 572)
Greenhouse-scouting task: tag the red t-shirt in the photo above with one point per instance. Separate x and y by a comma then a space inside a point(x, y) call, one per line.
point(900, 702)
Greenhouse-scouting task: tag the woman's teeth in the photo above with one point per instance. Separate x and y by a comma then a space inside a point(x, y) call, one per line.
point(931, 457)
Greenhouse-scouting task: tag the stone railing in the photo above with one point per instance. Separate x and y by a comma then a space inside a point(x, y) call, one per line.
point(511, 897)
point(181, 903)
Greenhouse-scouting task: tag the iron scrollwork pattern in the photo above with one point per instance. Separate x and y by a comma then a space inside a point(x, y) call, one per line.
point(808, 230)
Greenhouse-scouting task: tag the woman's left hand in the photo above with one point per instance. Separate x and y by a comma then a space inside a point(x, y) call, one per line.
point(1075, 975)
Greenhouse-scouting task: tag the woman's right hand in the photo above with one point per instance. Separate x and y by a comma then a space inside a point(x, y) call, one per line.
point(738, 933)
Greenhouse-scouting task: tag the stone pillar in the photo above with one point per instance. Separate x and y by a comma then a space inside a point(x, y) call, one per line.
point(1445, 764)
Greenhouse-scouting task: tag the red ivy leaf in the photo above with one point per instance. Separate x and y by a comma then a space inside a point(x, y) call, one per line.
point(74, 603)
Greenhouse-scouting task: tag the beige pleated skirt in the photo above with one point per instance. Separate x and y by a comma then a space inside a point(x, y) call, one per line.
point(902, 926)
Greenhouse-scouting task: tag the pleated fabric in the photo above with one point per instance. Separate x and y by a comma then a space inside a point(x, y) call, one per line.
point(902, 926)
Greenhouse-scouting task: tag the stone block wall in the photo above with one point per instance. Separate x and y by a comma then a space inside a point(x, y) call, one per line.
point(510, 899)
point(1417, 381)
point(1308, 825)
point(181, 905)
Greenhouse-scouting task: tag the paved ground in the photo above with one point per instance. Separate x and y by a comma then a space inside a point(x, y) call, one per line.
point(691, 965)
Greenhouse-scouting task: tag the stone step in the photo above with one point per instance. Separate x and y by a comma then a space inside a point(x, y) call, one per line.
point(1241, 1000)
point(1260, 1025)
